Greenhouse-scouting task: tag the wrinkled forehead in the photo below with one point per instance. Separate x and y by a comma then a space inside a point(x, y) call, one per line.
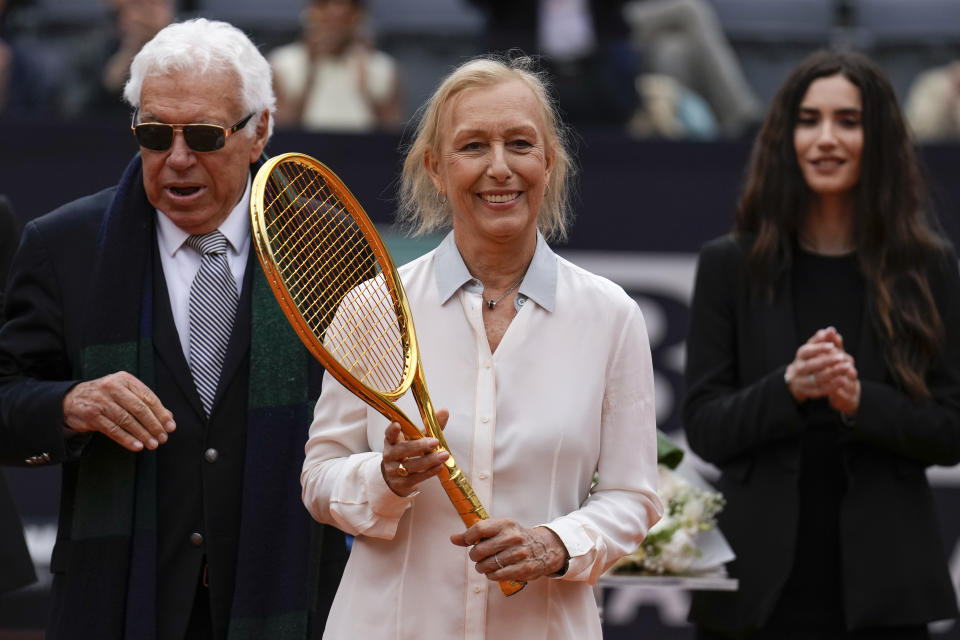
point(192, 96)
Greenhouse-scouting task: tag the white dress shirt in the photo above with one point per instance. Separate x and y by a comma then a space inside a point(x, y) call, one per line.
point(181, 262)
point(568, 392)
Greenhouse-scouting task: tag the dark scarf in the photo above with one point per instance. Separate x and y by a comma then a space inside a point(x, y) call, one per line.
point(114, 527)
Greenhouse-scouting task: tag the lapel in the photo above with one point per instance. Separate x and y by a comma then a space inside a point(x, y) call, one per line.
point(869, 356)
point(778, 324)
point(780, 343)
point(239, 345)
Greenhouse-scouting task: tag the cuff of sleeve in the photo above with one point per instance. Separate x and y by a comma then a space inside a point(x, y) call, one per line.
point(383, 501)
point(47, 436)
point(579, 545)
point(784, 412)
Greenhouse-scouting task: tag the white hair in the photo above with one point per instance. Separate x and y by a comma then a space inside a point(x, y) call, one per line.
point(203, 45)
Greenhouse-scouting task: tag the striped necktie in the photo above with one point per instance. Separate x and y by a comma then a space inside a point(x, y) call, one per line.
point(213, 304)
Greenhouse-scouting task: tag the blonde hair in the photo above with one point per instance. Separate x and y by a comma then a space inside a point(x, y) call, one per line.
point(420, 209)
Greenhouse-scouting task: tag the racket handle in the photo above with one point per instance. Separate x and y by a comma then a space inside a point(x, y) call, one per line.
point(468, 505)
point(510, 587)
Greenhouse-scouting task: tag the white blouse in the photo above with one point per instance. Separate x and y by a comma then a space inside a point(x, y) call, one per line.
point(567, 394)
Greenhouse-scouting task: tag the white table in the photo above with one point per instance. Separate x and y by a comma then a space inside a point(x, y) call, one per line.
point(706, 581)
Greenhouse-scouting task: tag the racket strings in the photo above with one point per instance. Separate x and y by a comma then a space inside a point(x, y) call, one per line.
point(334, 276)
point(355, 265)
point(362, 331)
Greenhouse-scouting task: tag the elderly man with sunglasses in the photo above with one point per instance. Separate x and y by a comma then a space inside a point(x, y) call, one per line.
point(144, 352)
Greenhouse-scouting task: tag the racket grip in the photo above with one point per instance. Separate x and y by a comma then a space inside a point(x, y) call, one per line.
point(468, 505)
point(510, 587)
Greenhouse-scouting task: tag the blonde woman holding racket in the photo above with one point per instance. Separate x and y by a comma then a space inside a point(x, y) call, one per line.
point(546, 376)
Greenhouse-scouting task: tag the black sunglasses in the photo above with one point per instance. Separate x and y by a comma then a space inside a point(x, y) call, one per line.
point(202, 138)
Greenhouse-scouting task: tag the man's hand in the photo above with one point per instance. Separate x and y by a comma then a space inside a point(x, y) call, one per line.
point(120, 407)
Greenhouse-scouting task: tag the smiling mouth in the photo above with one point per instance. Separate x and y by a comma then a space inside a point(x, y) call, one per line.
point(828, 163)
point(498, 198)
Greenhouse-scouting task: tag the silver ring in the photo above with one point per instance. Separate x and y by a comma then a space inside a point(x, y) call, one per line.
point(402, 471)
point(496, 557)
point(813, 380)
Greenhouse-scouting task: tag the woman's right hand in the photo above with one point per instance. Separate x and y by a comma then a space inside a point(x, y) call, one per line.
point(820, 367)
point(407, 463)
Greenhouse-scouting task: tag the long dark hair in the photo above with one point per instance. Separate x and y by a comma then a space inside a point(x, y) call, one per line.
point(893, 226)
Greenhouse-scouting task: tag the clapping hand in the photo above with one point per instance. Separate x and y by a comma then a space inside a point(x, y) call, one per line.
point(823, 369)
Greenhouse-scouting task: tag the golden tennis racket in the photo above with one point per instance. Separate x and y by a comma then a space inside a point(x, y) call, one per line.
point(334, 278)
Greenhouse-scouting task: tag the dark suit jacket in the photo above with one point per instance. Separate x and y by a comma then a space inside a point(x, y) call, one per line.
point(740, 416)
point(39, 363)
point(14, 557)
point(9, 239)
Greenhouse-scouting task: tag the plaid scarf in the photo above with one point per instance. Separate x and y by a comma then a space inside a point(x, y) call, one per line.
point(114, 525)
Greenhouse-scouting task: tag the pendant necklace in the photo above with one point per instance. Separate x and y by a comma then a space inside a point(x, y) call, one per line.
point(493, 303)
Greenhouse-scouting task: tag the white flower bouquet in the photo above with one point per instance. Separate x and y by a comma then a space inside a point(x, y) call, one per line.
point(674, 545)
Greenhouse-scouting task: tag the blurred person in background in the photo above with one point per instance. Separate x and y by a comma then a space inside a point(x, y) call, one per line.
point(137, 22)
point(585, 47)
point(98, 59)
point(683, 40)
point(31, 73)
point(932, 106)
point(823, 372)
point(333, 78)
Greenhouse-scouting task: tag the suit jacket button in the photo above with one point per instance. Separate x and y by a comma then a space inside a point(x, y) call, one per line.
point(211, 455)
point(196, 539)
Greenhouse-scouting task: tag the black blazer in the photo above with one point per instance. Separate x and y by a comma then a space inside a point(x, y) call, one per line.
point(39, 362)
point(14, 557)
point(9, 239)
point(740, 416)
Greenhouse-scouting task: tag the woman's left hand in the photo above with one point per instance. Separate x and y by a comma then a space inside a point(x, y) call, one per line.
point(503, 550)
